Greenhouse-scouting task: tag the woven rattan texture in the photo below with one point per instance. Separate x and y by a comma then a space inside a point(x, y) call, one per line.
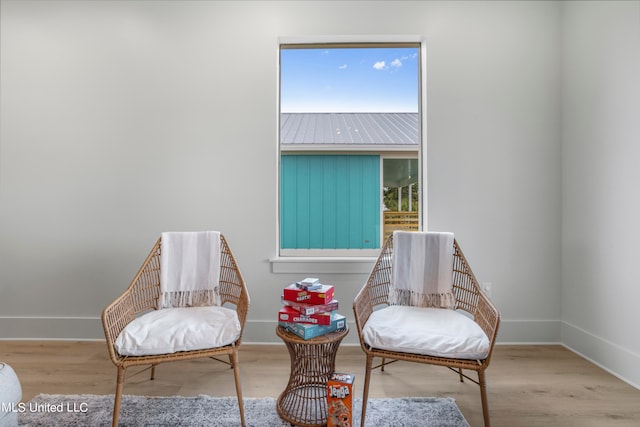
point(304, 400)
point(469, 298)
point(143, 295)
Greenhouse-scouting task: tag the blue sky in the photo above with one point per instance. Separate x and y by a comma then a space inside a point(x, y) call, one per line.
point(349, 80)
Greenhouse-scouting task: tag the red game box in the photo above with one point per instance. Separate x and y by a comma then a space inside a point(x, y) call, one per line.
point(289, 314)
point(309, 309)
point(316, 296)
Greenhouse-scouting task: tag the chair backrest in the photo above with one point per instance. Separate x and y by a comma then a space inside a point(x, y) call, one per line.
point(145, 286)
point(232, 287)
point(465, 285)
point(144, 289)
point(469, 297)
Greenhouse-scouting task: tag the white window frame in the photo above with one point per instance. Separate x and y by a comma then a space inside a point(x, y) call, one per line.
point(347, 260)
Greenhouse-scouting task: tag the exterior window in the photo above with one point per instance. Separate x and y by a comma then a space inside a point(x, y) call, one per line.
point(401, 195)
point(349, 143)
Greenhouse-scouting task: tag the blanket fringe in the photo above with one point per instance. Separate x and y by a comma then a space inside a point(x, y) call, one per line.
point(411, 298)
point(199, 298)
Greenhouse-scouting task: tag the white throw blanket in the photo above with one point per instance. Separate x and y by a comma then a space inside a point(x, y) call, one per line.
point(190, 269)
point(422, 269)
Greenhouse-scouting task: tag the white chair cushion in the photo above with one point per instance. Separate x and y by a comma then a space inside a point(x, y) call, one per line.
point(169, 330)
point(428, 331)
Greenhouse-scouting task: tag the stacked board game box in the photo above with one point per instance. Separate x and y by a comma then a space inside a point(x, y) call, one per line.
point(309, 309)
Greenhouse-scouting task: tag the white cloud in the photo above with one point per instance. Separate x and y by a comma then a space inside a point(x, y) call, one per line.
point(380, 65)
point(343, 66)
point(406, 58)
point(396, 63)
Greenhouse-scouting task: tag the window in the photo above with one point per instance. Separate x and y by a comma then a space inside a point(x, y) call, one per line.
point(350, 146)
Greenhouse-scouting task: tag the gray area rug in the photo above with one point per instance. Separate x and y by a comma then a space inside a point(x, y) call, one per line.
point(92, 411)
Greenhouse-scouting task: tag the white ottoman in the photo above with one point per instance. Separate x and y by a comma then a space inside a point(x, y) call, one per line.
point(10, 395)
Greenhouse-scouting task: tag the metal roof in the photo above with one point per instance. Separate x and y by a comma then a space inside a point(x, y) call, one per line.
point(350, 128)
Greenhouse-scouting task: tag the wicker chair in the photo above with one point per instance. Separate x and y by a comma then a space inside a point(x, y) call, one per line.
point(469, 298)
point(143, 295)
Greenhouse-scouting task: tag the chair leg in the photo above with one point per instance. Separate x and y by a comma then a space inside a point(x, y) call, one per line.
point(118, 396)
point(153, 372)
point(236, 374)
point(460, 373)
point(483, 397)
point(382, 366)
point(365, 391)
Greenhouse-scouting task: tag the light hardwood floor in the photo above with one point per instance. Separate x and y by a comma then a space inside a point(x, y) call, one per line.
point(528, 385)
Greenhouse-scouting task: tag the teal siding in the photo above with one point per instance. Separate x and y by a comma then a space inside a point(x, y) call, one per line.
point(330, 201)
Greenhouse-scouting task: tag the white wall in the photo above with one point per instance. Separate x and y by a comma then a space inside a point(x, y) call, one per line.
point(120, 120)
point(601, 206)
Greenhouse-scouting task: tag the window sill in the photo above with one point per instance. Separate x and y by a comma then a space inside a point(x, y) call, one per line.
point(308, 265)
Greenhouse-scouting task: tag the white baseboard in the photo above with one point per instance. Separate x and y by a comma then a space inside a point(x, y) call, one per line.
point(617, 360)
point(529, 332)
point(51, 328)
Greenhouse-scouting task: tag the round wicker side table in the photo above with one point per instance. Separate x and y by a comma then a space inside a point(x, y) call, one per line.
point(304, 401)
